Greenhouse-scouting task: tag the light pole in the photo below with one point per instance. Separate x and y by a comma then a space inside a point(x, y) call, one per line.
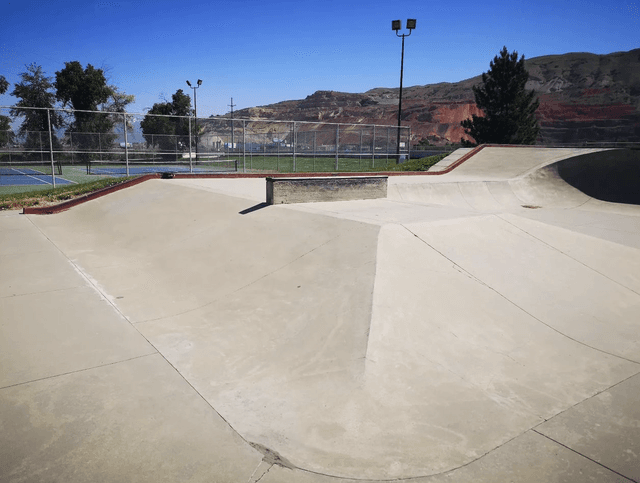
point(195, 108)
point(397, 25)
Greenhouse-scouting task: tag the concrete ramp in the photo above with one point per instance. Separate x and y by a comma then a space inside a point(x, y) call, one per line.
point(498, 178)
point(499, 162)
point(469, 327)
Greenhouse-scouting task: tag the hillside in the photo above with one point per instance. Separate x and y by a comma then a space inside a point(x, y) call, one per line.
point(583, 97)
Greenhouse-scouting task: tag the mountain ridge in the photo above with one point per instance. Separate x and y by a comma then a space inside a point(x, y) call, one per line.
point(583, 97)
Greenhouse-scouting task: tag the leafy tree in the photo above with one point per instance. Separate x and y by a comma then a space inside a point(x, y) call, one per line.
point(118, 102)
point(509, 109)
point(85, 90)
point(34, 90)
point(6, 135)
point(168, 132)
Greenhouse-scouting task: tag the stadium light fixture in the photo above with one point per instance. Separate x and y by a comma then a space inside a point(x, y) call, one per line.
point(397, 25)
point(195, 111)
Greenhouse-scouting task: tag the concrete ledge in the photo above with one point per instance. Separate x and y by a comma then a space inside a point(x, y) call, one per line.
point(306, 190)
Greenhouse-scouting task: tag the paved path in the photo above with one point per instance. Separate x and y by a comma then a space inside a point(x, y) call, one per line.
point(467, 328)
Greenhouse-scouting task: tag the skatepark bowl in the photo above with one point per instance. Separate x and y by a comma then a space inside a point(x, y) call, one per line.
point(481, 324)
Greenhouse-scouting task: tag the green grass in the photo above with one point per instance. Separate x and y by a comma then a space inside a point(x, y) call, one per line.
point(308, 164)
point(422, 164)
point(284, 164)
point(43, 195)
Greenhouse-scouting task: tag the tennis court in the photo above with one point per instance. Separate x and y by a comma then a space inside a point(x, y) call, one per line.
point(31, 179)
point(133, 168)
point(29, 175)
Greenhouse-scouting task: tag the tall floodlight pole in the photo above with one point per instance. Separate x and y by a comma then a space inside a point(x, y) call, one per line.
point(195, 108)
point(397, 25)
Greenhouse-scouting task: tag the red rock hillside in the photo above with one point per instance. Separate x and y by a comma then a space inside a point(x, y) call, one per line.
point(583, 97)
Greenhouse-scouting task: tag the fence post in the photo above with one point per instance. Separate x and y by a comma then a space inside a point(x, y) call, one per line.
point(126, 144)
point(294, 146)
point(337, 144)
point(53, 170)
point(73, 158)
point(387, 150)
point(244, 148)
point(373, 148)
point(190, 159)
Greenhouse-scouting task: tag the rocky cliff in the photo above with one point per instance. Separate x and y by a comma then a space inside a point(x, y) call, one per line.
point(583, 97)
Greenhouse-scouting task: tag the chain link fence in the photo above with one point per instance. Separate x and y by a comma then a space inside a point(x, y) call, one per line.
point(129, 143)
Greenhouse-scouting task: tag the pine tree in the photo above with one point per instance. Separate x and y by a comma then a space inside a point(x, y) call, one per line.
point(509, 109)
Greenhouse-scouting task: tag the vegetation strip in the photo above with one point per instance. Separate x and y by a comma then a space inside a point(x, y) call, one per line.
point(118, 184)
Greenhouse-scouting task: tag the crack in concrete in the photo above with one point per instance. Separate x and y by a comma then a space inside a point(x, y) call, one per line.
point(272, 457)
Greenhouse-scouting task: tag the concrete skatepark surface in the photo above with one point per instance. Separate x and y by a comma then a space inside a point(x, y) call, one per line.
point(481, 325)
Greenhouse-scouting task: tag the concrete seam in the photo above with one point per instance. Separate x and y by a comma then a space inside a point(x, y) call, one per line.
point(53, 376)
point(97, 289)
point(41, 292)
point(584, 456)
point(567, 255)
point(487, 184)
point(458, 185)
point(517, 306)
point(590, 397)
point(420, 477)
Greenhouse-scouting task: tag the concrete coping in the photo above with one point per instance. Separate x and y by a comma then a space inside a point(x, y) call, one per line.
point(303, 178)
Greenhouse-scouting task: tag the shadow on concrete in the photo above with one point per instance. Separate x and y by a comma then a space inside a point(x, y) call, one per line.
point(257, 207)
point(612, 176)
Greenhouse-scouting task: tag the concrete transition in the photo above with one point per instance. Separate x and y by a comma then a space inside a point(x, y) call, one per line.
point(481, 325)
point(330, 188)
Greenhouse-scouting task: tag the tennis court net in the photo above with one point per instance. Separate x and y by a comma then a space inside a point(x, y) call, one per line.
point(30, 168)
point(136, 167)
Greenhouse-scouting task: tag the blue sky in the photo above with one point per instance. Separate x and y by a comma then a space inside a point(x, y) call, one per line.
point(260, 51)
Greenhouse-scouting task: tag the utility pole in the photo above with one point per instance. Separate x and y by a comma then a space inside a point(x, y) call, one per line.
point(195, 105)
point(232, 127)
